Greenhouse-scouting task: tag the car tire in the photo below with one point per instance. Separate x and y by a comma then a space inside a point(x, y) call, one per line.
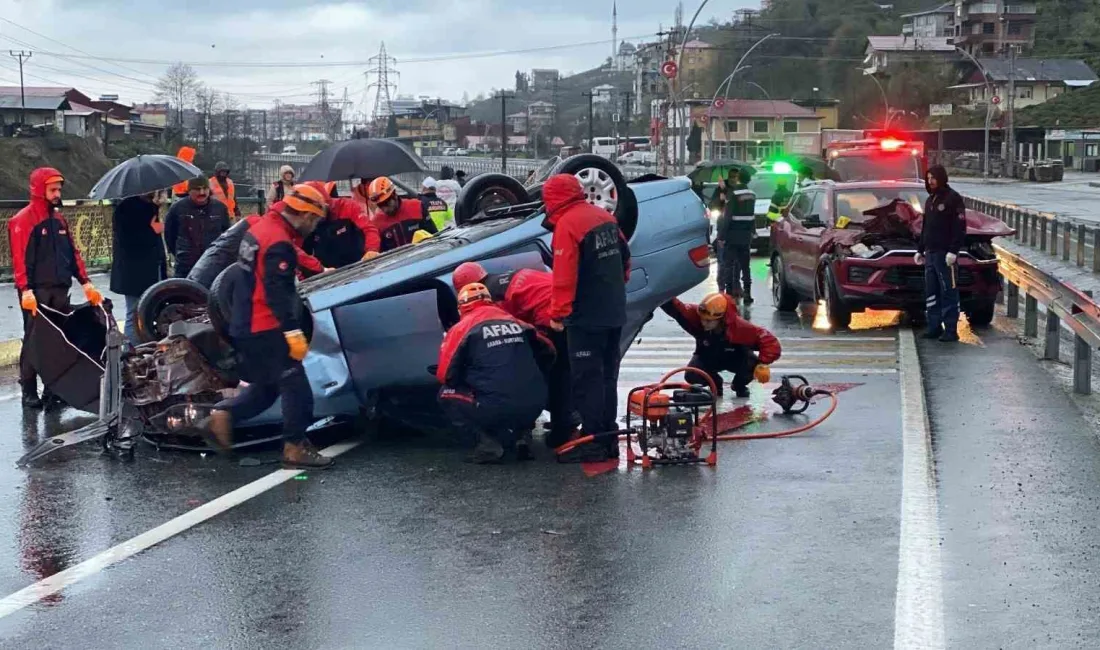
point(981, 314)
point(839, 314)
point(216, 309)
point(487, 191)
point(784, 297)
point(604, 185)
point(159, 297)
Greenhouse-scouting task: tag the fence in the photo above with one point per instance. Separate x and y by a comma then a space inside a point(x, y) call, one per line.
point(90, 223)
point(967, 163)
point(1060, 237)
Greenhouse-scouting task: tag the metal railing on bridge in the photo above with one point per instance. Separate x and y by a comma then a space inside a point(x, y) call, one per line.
point(1070, 239)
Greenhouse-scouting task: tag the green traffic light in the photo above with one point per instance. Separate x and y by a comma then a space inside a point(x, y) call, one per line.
point(782, 167)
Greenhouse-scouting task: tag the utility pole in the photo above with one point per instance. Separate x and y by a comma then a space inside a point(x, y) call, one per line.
point(554, 116)
point(265, 127)
point(504, 97)
point(22, 56)
point(1010, 121)
point(627, 112)
point(527, 130)
point(591, 136)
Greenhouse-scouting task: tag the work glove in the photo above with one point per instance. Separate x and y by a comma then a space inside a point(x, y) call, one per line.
point(762, 374)
point(297, 343)
point(92, 294)
point(557, 326)
point(421, 235)
point(29, 303)
point(370, 255)
point(951, 257)
point(157, 226)
point(328, 269)
point(918, 259)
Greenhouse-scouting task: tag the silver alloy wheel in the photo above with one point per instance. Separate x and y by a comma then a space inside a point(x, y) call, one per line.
point(599, 188)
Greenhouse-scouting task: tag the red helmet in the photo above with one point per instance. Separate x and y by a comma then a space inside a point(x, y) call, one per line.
point(471, 296)
point(467, 273)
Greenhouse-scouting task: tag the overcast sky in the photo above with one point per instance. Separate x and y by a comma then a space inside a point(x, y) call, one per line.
point(280, 31)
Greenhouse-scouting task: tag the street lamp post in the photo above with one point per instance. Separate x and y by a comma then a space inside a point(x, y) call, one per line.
point(729, 80)
point(988, 106)
point(885, 102)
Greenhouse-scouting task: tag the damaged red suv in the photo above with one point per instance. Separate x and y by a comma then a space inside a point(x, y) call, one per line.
point(852, 245)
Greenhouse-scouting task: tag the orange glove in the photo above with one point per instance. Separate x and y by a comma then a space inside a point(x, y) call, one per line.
point(29, 303)
point(370, 255)
point(93, 295)
point(762, 373)
point(297, 343)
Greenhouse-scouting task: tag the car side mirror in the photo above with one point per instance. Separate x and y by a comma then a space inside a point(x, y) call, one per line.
point(813, 221)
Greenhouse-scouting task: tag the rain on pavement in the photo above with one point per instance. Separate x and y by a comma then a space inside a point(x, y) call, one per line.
point(786, 543)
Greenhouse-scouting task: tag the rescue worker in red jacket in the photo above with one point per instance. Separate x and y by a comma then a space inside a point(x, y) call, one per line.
point(346, 235)
point(45, 261)
point(725, 341)
point(525, 294)
point(265, 329)
point(591, 266)
point(397, 219)
point(490, 365)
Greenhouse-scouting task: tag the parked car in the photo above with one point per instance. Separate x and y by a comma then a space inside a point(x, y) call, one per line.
point(646, 158)
point(449, 151)
point(290, 149)
point(851, 245)
point(462, 152)
point(376, 326)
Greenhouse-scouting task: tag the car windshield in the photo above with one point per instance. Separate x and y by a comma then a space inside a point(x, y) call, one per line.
point(852, 203)
point(764, 184)
point(877, 167)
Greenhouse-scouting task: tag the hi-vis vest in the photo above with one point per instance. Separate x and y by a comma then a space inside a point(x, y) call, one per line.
point(230, 201)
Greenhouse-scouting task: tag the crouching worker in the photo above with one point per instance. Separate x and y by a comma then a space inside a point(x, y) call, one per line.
point(490, 366)
point(526, 294)
point(345, 236)
point(725, 341)
point(265, 331)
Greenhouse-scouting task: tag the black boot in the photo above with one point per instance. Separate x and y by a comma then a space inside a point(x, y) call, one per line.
point(523, 446)
point(741, 391)
point(747, 300)
point(30, 398)
point(487, 451)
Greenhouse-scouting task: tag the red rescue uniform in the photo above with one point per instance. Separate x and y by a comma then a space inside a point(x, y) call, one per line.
point(42, 249)
point(525, 294)
point(345, 235)
point(398, 230)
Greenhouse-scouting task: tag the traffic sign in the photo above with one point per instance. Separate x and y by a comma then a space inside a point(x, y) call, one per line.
point(719, 103)
point(615, 117)
point(668, 69)
point(939, 110)
point(996, 99)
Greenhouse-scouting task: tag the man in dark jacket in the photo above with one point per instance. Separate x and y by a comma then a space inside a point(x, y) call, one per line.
point(942, 234)
point(345, 236)
point(736, 229)
point(591, 267)
point(725, 342)
point(138, 259)
point(489, 365)
point(265, 330)
point(526, 294)
point(44, 261)
point(192, 224)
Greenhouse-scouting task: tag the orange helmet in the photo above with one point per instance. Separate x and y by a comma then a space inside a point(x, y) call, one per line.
point(320, 187)
point(713, 307)
point(471, 296)
point(467, 273)
point(380, 190)
point(306, 199)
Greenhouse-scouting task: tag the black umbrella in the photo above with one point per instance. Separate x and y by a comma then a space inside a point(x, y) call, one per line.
point(142, 175)
point(369, 158)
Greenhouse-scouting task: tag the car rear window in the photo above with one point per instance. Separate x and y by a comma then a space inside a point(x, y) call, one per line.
point(852, 203)
point(877, 167)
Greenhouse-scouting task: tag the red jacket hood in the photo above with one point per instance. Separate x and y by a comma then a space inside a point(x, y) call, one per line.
point(561, 191)
point(186, 154)
point(38, 182)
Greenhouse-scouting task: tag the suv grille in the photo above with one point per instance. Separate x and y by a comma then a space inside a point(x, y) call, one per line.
point(912, 277)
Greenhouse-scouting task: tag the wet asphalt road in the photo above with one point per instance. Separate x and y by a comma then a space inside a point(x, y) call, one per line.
point(789, 543)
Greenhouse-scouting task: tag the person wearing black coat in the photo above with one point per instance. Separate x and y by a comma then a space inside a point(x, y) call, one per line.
point(139, 260)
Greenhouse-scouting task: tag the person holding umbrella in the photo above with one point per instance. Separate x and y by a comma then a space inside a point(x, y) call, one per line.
point(398, 220)
point(139, 260)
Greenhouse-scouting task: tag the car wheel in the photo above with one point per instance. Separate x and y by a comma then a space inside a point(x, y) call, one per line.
point(604, 186)
point(166, 302)
point(783, 296)
point(980, 314)
point(839, 314)
point(216, 307)
point(487, 191)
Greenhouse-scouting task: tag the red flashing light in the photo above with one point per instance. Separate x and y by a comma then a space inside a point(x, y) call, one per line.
point(891, 144)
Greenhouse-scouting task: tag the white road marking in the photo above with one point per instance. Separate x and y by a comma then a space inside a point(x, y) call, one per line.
point(918, 609)
point(831, 370)
point(59, 581)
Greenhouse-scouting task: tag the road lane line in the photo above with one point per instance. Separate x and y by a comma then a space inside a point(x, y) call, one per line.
point(918, 608)
point(64, 579)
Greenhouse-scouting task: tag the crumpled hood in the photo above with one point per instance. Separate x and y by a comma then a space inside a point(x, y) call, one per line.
point(899, 219)
point(38, 180)
point(561, 191)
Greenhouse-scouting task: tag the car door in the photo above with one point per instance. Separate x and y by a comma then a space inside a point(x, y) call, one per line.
point(803, 241)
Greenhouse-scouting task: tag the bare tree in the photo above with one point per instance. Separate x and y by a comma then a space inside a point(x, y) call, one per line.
point(177, 87)
point(207, 102)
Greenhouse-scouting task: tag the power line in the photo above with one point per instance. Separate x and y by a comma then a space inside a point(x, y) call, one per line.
point(54, 40)
point(381, 67)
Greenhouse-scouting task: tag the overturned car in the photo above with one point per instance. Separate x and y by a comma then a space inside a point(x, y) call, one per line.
point(376, 326)
point(852, 246)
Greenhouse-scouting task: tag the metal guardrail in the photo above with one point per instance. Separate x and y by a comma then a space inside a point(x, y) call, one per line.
point(1063, 303)
point(1069, 239)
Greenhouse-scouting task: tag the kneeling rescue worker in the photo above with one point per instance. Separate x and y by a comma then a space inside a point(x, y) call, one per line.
point(526, 295)
point(45, 260)
point(725, 341)
point(490, 367)
point(398, 220)
point(346, 234)
point(264, 329)
point(591, 267)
